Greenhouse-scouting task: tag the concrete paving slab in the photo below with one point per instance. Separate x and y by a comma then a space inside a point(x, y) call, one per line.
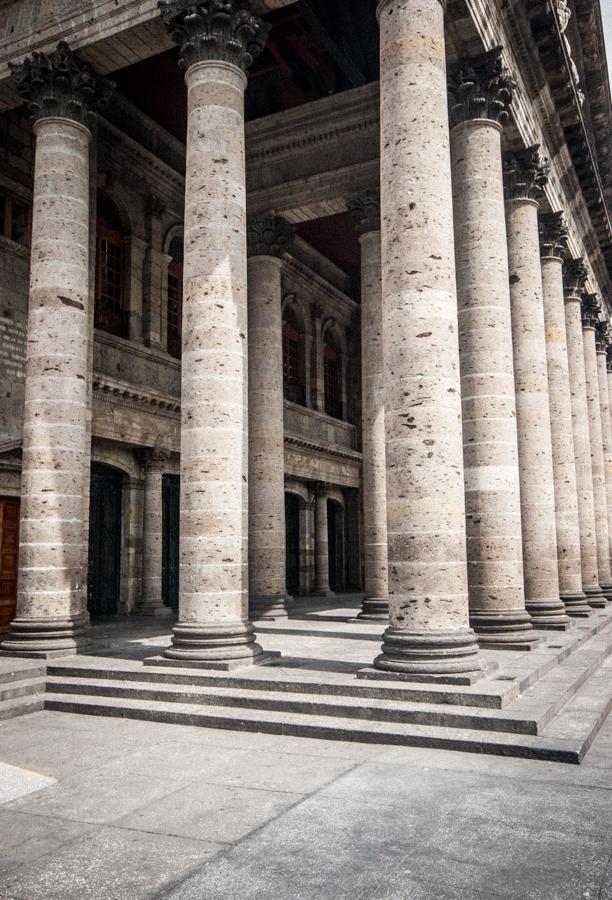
point(26, 837)
point(17, 782)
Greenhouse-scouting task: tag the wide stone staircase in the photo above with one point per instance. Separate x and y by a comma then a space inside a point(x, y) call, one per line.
point(546, 704)
point(22, 687)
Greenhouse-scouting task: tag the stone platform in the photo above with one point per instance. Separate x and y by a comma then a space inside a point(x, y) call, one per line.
point(548, 703)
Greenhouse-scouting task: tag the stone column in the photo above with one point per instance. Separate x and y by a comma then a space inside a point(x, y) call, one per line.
point(575, 274)
point(609, 455)
point(216, 47)
point(268, 240)
point(154, 273)
point(602, 341)
point(322, 588)
point(62, 91)
point(365, 211)
point(480, 92)
point(526, 174)
point(591, 312)
point(152, 604)
point(553, 240)
point(428, 635)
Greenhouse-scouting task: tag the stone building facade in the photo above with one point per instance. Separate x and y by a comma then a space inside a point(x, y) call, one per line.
point(298, 298)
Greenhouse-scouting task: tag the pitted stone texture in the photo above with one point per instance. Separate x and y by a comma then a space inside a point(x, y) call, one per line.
point(537, 491)
point(559, 396)
point(322, 588)
point(603, 343)
point(267, 585)
point(591, 309)
point(365, 210)
point(213, 579)
point(428, 604)
point(50, 615)
point(494, 537)
point(155, 462)
point(609, 455)
point(574, 277)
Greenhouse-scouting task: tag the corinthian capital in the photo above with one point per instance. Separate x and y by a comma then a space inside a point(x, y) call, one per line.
point(553, 234)
point(575, 274)
point(480, 87)
point(219, 30)
point(602, 336)
point(270, 236)
point(364, 209)
point(590, 308)
point(59, 83)
point(525, 173)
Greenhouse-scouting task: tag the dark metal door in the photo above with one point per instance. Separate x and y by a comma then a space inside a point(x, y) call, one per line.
point(332, 538)
point(170, 539)
point(104, 571)
point(292, 531)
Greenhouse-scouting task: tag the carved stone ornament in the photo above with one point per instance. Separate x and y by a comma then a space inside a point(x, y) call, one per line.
point(602, 336)
point(480, 88)
point(364, 209)
point(271, 236)
point(219, 30)
point(525, 173)
point(553, 234)
point(575, 274)
point(590, 308)
point(59, 83)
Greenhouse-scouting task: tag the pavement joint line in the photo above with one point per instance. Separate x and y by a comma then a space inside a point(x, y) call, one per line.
point(31, 772)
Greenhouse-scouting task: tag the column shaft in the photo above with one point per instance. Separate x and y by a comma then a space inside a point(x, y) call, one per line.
point(50, 614)
point(564, 468)
point(152, 603)
point(267, 572)
point(322, 588)
point(429, 634)
point(537, 493)
point(606, 429)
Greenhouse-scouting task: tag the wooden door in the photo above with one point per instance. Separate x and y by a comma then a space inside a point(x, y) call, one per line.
point(292, 539)
point(104, 574)
point(9, 553)
point(170, 540)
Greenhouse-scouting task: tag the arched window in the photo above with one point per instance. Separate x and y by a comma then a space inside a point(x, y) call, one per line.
point(110, 313)
point(175, 297)
point(332, 379)
point(293, 360)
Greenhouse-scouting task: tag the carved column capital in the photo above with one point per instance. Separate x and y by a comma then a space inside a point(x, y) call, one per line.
point(480, 87)
point(270, 236)
point(61, 84)
point(575, 274)
point(215, 30)
point(525, 173)
point(322, 488)
point(364, 209)
point(590, 308)
point(553, 234)
point(602, 337)
point(153, 457)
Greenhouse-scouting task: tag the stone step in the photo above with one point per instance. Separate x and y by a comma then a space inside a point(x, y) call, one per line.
point(18, 669)
point(320, 704)
point(583, 716)
point(24, 688)
point(21, 706)
point(325, 727)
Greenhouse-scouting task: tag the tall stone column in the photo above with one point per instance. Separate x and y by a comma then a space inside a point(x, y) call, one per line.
point(322, 588)
point(553, 240)
point(217, 44)
point(602, 342)
point(575, 274)
point(268, 240)
point(591, 312)
point(526, 174)
point(62, 93)
point(365, 211)
point(152, 604)
point(480, 93)
point(609, 455)
point(428, 635)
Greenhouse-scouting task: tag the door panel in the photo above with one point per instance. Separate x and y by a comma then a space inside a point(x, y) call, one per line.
point(171, 486)
point(9, 554)
point(292, 545)
point(104, 574)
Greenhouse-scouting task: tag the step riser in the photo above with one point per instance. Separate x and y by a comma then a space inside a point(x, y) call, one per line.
point(21, 675)
point(21, 690)
point(555, 708)
point(319, 731)
point(278, 704)
point(13, 711)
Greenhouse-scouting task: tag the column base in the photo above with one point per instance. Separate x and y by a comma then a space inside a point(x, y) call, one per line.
point(576, 604)
point(429, 653)
point(272, 658)
point(324, 592)
point(595, 596)
point(271, 607)
point(504, 629)
point(156, 611)
point(549, 614)
point(195, 642)
point(606, 587)
point(373, 609)
point(45, 638)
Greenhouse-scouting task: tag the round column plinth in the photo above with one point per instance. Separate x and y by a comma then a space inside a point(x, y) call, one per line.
point(432, 651)
point(576, 605)
point(606, 587)
point(31, 637)
point(374, 609)
point(213, 643)
point(549, 614)
point(504, 629)
point(595, 596)
point(272, 607)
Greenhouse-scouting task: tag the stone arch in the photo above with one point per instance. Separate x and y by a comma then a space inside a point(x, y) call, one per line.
point(176, 231)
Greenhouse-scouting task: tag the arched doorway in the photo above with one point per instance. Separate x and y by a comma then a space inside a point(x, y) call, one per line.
point(104, 572)
point(292, 531)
